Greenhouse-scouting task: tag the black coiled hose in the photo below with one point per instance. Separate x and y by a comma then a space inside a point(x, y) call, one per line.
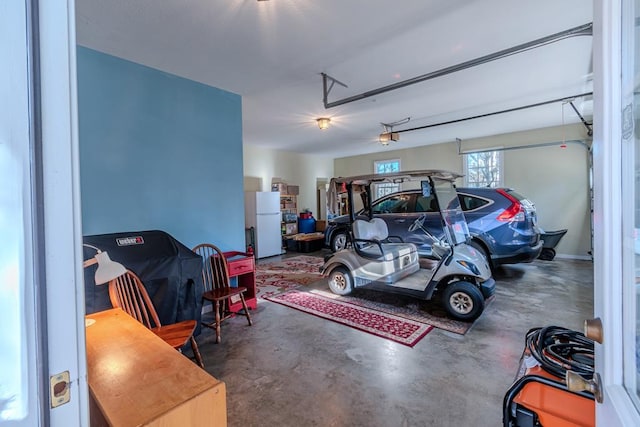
point(559, 350)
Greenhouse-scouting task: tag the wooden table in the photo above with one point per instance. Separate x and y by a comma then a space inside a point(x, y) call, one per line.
point(136, 379)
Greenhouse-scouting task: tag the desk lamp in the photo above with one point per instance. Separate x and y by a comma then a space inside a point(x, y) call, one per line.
point(107, 270)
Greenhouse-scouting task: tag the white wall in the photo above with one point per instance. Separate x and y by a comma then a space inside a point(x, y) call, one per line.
point(555, 179)
point(303, 170)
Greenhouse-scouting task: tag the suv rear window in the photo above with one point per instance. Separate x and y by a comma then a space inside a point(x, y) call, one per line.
point(470, 203)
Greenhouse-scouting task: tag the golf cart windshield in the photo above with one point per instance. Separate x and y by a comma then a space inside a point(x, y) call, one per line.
point(362, 183)
point(455, 224)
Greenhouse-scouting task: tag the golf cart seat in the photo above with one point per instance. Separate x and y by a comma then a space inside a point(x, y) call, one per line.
point(395, 260)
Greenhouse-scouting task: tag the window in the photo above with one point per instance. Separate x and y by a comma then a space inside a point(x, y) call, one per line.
point(385, 166)
point(426, 204)
point(20, 333)
point(469, 203)
point(394, 204)
point(483, 169)
point(630, 113)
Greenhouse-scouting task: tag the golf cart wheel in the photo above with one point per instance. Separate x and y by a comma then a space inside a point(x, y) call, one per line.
point(463, 301)
point(340, 281)
point(339, 241)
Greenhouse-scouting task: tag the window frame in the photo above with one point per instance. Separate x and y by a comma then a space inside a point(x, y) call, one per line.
point(465, 167)
point(463, 195)
point(409, 205)
point(383, 189)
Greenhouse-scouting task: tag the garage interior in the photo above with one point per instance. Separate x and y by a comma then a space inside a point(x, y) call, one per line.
point(523, 70)
point(182, 108)
point(292, 368)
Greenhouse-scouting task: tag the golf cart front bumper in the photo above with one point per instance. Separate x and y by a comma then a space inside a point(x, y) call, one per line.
point(488, 287)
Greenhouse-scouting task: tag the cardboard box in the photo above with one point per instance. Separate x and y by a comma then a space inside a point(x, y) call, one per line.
point(321, 225)
point(291, 228)
point(294, 190)
point(279, 186)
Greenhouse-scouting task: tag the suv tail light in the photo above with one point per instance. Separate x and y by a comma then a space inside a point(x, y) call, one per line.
point(515, 212)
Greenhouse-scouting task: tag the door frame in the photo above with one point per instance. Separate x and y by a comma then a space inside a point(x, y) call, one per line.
point(617, 408)
point(41, 37)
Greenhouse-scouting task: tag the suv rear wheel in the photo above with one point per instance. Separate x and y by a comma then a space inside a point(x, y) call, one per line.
point(480, 248)
point(339, 241)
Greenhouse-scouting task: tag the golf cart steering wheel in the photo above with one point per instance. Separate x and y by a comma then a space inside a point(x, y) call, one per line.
point(418, 223)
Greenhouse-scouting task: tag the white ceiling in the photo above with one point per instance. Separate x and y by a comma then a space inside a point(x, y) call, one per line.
point(272, 53)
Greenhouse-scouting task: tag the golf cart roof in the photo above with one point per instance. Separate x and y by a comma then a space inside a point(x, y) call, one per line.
point(398, 177)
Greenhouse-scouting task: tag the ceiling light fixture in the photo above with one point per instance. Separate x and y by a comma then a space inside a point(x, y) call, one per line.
point(323, 122)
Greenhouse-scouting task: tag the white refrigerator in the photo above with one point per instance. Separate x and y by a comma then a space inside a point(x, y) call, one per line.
point(262, 212)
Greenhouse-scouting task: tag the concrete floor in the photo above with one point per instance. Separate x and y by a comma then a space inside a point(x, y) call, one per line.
point(294, 369)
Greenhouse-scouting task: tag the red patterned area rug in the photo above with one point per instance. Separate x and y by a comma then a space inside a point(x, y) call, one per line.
point(429, 312)
point(395, 328)
point(303, 270)
point(290, 273)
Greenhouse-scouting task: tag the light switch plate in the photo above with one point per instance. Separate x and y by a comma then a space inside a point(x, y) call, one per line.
point(60, 389)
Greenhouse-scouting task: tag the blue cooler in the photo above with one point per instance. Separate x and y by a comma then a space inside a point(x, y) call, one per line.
point(306, 225)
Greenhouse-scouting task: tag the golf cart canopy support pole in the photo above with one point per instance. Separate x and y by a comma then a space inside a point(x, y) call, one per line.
point(352, 214)
point(582, 30)
point(369, 204)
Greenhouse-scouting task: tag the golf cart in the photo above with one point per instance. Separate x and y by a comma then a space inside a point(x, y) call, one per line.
point(451, 270)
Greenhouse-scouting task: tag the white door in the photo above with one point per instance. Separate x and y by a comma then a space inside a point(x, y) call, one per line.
point(616, 152)
point(41, 292)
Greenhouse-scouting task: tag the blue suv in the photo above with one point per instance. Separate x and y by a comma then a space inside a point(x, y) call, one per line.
point(502, 223)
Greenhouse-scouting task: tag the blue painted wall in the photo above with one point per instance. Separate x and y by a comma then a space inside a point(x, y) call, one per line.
point(158, 152)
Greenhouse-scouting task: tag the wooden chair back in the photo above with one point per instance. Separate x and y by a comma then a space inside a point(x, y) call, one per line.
point(128, 293)
point(215, 271)
point(217, 289)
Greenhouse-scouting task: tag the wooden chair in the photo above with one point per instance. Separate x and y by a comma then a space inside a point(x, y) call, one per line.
point(217, 290)
point(128, 293)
